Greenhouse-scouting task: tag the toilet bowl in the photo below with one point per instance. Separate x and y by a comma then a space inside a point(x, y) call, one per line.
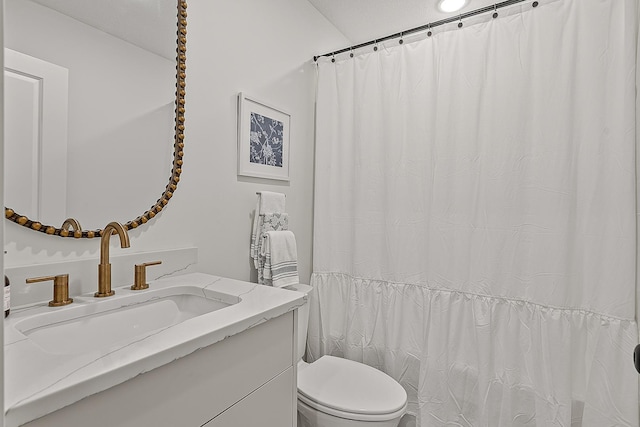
point(337, 392)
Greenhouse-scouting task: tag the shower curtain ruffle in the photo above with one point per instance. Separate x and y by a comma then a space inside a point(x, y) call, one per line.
point(476, 360)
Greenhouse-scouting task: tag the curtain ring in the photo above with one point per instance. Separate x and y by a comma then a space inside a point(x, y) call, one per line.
point(429, 33)
point(333, 58)
point(535, 4)
point(351, 52)
point(401, 35)
point(495, 11)
point(460, 24)
point(375, 46)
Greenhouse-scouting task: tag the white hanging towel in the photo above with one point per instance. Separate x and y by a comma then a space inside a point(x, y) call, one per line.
point(268, 202)
point(270, 222)
point(280, 258)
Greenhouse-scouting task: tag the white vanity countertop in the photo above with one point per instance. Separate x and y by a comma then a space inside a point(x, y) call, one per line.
point(38, 383)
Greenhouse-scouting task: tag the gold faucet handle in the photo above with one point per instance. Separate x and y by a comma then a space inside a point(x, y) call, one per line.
point(60, 289)
point(140, 281)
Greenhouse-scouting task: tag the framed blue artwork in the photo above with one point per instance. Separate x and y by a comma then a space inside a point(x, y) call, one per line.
point(263, 140)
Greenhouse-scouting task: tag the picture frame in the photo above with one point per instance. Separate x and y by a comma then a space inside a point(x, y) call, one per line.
point(263, 139)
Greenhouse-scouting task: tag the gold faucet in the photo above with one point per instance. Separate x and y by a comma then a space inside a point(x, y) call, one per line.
point(71, 223)
point(140, 281)
point(60, 289)
point(104, 269)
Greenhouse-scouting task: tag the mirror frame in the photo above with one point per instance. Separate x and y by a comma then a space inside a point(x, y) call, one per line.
point(178, 147)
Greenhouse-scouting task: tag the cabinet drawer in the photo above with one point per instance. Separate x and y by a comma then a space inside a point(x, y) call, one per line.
point(269, 406)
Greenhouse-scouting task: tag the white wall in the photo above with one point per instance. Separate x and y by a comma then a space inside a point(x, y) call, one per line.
point(264, 49)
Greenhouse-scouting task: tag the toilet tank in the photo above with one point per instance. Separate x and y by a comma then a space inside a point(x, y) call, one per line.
point(303, 318)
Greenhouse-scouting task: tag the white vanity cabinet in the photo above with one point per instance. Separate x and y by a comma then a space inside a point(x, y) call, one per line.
point(248, 379)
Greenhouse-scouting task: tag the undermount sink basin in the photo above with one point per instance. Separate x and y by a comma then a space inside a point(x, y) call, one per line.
point(93, 324)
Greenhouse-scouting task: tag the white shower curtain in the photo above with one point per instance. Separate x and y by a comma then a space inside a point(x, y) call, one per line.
point(475, 217)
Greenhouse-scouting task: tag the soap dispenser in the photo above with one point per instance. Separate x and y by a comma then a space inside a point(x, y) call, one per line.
point(7, 296)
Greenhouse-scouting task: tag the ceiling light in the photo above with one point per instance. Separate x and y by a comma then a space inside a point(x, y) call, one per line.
point(448, 6)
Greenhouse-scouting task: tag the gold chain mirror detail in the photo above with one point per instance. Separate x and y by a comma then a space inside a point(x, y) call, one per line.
point(178, 146)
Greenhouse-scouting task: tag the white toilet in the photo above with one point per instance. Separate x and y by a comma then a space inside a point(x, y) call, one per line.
point(336, 392)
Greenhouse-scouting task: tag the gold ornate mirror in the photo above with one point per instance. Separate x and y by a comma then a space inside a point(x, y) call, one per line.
point(70, 227)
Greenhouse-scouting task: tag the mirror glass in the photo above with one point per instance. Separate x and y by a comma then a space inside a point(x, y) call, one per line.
point(89, 107)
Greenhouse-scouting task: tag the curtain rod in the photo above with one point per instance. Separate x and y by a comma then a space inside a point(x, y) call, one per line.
point(431, 25)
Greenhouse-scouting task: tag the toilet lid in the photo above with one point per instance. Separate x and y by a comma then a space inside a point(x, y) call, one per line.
point(350, 387)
